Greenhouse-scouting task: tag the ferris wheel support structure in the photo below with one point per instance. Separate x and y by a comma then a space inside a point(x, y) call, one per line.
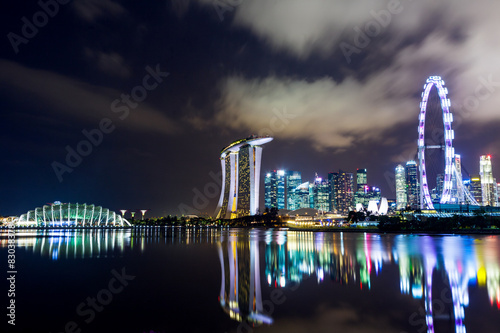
point(449, 151)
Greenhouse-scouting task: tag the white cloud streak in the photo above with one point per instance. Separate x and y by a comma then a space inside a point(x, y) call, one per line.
point(461, 44)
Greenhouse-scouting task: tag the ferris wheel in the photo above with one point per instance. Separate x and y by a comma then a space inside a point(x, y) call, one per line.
point(443, 143)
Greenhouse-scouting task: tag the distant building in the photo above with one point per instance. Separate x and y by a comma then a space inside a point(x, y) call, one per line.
point(274, 192)
point(488, 184)
point(495, 188)
point(240, 162)
point(321, 194)
point(343, 191)
point(474, 187)
point(412, 185)
point(331, 182)
point(280, 189)
point(364, 193)
point(311, 195)
point(293, 181)
point(302, 195)
point(361, 184)
point(392, 205)
point(438, 190)
point(401, 199)
point(269, 195)
point(372, 193)
point(498, 192)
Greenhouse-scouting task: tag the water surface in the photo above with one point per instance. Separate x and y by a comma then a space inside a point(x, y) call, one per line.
point(241, 280)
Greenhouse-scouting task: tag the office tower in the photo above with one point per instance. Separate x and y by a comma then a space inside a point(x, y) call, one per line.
point(331, 182)
point(495, 188)
point(280, 189)
point(321, 194)
point(361, 181)
point(274, 194)
point(343, 191)
point(269, 194)
point(372, 193)
point(293, 180)
point(361, 187)
point(438, 190)
point(487, 182)
point(498, 192)
point(323, 202)
point(412, 185)
point(474, 188)
point(311, 195)
point(240, 162)
point(401, 199)
point(302, 195)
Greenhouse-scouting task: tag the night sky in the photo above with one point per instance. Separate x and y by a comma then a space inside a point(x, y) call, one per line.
point(161, 87)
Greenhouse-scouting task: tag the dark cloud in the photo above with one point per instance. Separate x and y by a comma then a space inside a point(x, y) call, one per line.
point(70, 98)
point(92, 10)
point(110, 63)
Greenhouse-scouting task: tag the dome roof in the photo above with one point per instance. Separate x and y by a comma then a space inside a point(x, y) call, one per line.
point(68, 214)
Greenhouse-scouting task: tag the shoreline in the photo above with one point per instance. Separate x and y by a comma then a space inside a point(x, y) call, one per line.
point(405, 232)
point(286, 228)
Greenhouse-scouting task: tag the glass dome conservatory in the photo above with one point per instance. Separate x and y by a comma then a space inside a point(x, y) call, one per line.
point(68, 214)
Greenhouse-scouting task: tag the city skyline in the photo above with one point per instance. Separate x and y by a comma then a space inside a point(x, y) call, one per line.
point(133, 110)
point(336, 193)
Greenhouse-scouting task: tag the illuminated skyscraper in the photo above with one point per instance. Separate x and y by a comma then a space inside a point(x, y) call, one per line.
point(401, 198)
point(321, 194)
point(498, 192)
point(331, 182)
point(438, 190)
point(269, 195)
point(311, 195)
point(293, 180)
point(412, 185)
point(302, 195)
point(361, 184)
point(280, 188)
point(343, 191)
point(488, 184)
point(474, 187)
point(240, 163)
point(495, 188)
point(274, 194)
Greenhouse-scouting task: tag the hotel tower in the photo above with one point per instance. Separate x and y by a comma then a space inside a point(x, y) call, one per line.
point(240, 163)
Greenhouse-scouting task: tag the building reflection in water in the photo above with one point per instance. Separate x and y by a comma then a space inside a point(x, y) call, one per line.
point(240, 292)
point(457, 262)
point(282, 258)
point(73, 244)
point(101, 243)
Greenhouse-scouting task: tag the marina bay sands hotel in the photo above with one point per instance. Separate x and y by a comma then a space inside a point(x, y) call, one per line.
point(240, 163)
